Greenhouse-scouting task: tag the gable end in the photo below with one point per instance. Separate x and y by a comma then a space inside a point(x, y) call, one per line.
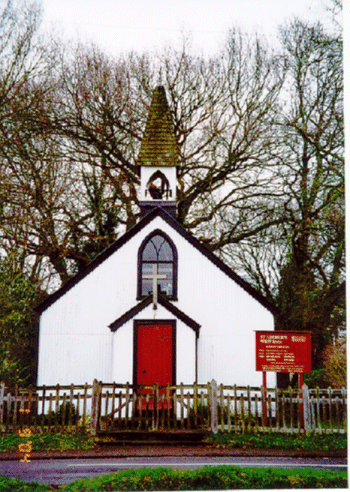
point(156, 212)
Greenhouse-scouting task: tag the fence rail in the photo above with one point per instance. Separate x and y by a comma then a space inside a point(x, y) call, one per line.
point(100, 406)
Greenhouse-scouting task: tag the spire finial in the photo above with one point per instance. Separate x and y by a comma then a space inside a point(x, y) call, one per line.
point(160, 77)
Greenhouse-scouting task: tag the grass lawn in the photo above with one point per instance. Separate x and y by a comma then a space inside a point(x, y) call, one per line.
point(48, 442)
point(275, 440)
point(76, 442)
point(206, 478)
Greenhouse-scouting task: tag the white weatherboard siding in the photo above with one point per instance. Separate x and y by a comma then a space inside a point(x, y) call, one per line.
point(83, 360)
point(185, 354)
point(228, 316)
point(81, 318)
point(76, 345)
point(123, 353)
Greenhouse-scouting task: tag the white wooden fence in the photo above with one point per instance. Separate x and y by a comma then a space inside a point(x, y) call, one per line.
point(106, 407)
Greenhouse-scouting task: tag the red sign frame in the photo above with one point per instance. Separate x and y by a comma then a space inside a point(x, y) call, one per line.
point(283, 351)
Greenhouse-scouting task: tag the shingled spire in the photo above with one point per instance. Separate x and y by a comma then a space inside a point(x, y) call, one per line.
point(158, 157)
point(159, 146)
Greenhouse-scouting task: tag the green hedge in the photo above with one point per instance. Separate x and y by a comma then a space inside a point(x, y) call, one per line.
point(16, 485)
point(206, 478)
point(211, 478)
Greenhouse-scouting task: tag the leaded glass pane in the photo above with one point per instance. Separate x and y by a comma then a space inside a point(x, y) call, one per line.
point(147, 269)
point(166, 269)
point(166, 285)
point(157, 241)
point(149, 253)
point(165, 253)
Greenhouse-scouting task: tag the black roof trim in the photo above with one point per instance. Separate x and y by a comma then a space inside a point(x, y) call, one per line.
point(163, 302)
point(96, 262)
point(158, 211)
point(219, 263)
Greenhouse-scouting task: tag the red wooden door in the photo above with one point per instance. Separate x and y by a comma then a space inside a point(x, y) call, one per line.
point(155, 348)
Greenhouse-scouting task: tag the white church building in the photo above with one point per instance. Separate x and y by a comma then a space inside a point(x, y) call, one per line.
point(156, 306)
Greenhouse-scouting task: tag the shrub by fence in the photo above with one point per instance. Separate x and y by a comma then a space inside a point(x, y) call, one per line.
point(99, 406)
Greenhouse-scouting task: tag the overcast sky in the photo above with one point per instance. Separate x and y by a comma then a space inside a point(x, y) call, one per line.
point(143, 25)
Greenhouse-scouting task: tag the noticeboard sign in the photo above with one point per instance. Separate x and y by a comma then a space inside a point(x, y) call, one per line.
point(283, 351)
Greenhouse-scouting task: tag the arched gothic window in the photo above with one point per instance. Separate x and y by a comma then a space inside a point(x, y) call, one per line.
point(157, 249)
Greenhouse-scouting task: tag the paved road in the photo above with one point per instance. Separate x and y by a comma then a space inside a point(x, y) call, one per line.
point(58, 472)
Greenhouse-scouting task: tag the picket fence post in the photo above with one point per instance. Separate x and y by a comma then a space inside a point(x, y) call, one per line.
point(95, 406)
point(214, 406)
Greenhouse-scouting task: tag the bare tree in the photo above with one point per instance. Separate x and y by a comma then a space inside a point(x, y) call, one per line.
point(299, 263)
point(222, 111)
point(22, 64)
point(66, 182)
point(260, 141)
point(313, 169)
point(93, 126)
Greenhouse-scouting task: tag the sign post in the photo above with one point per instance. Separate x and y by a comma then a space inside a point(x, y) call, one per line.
point(264, 403)
point(283, 351)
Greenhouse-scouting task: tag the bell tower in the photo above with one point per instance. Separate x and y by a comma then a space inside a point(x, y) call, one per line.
point(158, 158)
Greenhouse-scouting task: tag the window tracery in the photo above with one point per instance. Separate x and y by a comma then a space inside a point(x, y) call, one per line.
point(158, 249)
